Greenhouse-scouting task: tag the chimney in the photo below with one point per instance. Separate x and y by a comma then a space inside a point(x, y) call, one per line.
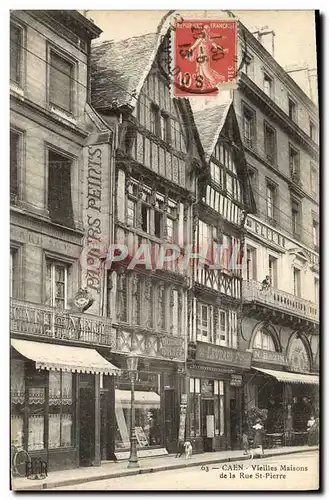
point(266, 37)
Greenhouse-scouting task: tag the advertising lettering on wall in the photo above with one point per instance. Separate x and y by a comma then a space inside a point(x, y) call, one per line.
point(223, 355)
point(96, 215)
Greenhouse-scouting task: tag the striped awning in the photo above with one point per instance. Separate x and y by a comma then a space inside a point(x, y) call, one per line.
point(67, 358)
point(293, 378)
point(143, 399)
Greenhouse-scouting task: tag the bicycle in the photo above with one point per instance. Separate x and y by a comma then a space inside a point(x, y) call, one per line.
point(19, 459)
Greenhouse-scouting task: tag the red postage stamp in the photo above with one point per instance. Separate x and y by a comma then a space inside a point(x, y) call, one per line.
point(205, 57)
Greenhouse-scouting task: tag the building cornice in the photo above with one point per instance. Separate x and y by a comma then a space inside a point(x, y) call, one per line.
point(246, 36)
point(46, 114)
point(276, 114)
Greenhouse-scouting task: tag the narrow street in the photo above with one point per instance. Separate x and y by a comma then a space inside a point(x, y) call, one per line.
point(289, 472)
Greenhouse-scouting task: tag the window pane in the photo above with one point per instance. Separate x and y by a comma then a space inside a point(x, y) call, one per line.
point(54, 440)
point(36, 432)
point(14, 151)
point(60, 91)
point(15, 53)
point(59, 189)
point(54, 388)
point(66, 422)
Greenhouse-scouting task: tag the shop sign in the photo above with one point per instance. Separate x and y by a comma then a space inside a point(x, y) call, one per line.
point(172, 347)
point(223, 355)
point(236, 380)
point(182, 418)
point(30, 319)
point(268, 356)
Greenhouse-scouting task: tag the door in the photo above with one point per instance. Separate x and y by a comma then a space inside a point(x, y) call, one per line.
point(170, 421)
point(87, 426)
point(234, 423)
point(207, 411)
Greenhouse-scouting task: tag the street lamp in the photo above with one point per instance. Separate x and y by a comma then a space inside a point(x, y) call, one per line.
point(132, 363)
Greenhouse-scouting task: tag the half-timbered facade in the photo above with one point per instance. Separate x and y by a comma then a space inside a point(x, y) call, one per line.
point(216, 364)
point(157, 161)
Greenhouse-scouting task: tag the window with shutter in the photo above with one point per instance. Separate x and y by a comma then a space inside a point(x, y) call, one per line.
point(59, 189)
point(60, 82)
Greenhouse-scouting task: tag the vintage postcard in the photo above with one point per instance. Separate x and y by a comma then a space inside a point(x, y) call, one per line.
point(164, 250)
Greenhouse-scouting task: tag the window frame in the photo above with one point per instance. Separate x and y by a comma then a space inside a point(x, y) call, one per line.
point(62, 405)
point(252, 140)
point(21, 69)
point(272, 187)
point(315, 232)
point(20, 160)
point(200, 328)
point(269, 79)
point(297, 286)
point(50, 149)
point(293, 115)
point(314, 181)
point(271, 157)
point(296, 209)
point(73, 87)
point(53, 262)
point(312, 130)
point(294, 167)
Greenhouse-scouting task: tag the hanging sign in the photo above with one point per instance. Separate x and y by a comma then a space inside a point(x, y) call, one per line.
point(182, 418)
point(236, 380)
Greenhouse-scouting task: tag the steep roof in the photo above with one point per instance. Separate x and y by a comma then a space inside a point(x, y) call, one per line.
point(119, 69)
point(209, 122)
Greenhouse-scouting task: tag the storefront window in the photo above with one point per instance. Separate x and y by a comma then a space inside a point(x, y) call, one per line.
point(17, 393)
point(219, 407)
point(195, 407)
point(147, 415)
point(60, 409)
point(36, 418)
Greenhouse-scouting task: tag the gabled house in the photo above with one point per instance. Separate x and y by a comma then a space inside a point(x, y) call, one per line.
point(157, 164)
point(216, 364)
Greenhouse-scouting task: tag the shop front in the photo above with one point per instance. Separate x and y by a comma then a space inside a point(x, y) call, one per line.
point(285, 386)
point(215, 399)
point(55, 402)
point(156, 390)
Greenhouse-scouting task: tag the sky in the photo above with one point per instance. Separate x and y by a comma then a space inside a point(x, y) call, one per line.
point(293, 29)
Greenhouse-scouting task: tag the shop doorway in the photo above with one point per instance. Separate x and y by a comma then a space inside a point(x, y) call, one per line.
point(170, 424)
point(234, 424)
point(208, 423)
point(270, 397)
point(87, 426)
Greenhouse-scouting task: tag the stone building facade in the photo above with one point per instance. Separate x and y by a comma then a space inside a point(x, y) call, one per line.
point(55, 370)
point(280, 326)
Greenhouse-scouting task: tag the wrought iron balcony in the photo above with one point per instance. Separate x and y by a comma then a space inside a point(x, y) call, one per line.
point(253, 291)
point(37, 320)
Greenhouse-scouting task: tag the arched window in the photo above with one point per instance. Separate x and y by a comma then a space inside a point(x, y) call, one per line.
point(263, 340)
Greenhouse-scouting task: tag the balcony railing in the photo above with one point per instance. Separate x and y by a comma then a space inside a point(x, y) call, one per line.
point(37, 320)
point(253, 291)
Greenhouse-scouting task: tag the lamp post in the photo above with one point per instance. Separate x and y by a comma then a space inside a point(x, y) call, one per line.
point(132, 363)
